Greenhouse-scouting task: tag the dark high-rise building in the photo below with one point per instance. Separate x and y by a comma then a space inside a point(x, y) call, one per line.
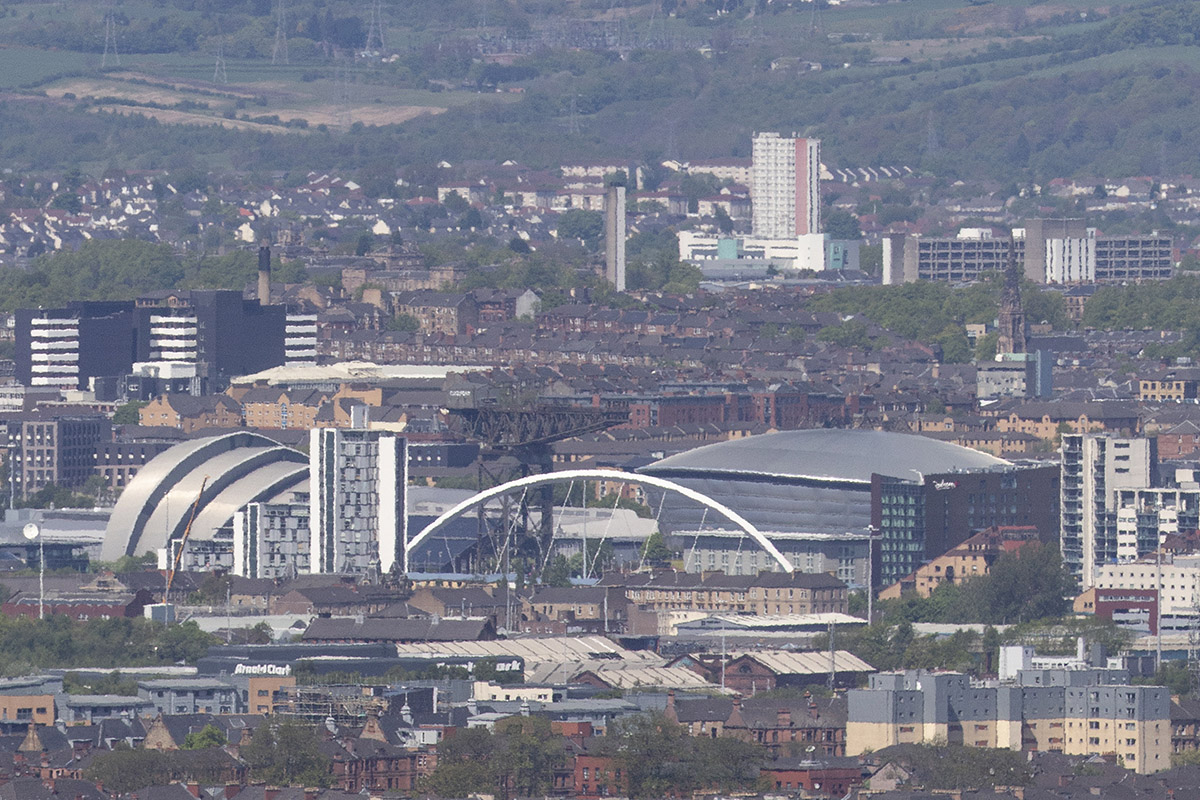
point(921, 519)
point(65, 348)
point(195, 338)
point(207, 336)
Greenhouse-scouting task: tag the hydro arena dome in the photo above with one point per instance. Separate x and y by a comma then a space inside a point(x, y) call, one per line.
point(240, 468)
point(810, 481)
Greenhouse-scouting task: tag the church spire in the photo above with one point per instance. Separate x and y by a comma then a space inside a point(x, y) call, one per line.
point(1011, 320)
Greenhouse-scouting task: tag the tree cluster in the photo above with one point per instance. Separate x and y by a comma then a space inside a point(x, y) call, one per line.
point(658, 758)
point(934, 313)
point(1024, 586)
point(517, 760)
point(121, 269)
point(57, 641)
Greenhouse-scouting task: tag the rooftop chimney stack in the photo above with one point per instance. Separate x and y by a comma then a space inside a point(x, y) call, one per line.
point(264, 275)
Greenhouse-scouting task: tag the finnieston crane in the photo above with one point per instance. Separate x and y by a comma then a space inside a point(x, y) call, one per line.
point(183, 541)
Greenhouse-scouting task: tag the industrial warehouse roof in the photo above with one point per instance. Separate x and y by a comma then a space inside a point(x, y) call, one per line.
point(234, 469)
point(538, 650)
point(817, 662)
point(842, 456)
point(351, 371)
point(652, 677)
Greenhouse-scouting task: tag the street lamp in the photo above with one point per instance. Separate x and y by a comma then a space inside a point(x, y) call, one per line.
point(33, 531)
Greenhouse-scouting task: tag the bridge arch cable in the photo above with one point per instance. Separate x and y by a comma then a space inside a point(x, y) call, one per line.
point(557, 528)
point(605, 475)
point(607, 526)
point(696, 539)
point(662, 501)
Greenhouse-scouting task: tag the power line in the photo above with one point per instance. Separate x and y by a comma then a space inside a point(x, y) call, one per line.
point(110, 38)
point(279, 53)
point(219, 74)
point(375, 37)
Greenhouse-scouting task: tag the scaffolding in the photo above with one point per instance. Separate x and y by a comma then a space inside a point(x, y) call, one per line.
point(346, 705)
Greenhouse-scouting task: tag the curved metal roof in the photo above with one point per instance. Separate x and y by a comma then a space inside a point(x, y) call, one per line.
point(261, 485)
point(157, 502)
point(835, 456)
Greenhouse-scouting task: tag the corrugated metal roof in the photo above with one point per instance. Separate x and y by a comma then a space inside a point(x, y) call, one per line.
point(786, 662)
point(782, 620)
point(537, 650)
point(665, 677)
point(828, 455)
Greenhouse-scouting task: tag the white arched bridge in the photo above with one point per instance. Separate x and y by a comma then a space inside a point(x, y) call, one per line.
point(532, 481)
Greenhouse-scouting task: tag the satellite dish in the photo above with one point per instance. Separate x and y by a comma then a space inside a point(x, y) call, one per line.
point(31, 531)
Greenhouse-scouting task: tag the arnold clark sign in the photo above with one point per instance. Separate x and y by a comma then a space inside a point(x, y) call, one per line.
point(263, 669)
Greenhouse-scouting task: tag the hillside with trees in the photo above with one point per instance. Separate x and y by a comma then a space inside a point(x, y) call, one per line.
point(951, 90)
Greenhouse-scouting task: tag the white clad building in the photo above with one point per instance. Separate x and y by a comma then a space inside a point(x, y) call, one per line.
point(357, 484)
point(300, 340)
point(54, 352)
point(174, 338)
point(786, 194)
point(1180, 581)
point(272, 540)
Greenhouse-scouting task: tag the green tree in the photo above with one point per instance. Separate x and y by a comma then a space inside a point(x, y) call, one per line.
point(1175, 675)
point(111, 683)
point(455, 203)
point(870, 259)
point(956, 349)
point(648, 747)
point(465, 765)
point(658, 758)
point(842, 225)
point(286, 753)
point(557, 572)
point(600, 557)
point(364, 244)
point(208, 736)
point(985, 346)
point(531, 753)
point(1027, 585)
point(655, 550)
point(851, 333)
point(124, 770)
point(127, 414)
point(586, 226)
point(404, 322)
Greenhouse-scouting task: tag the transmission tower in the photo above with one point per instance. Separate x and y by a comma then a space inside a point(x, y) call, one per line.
point(219, 75)
point(573, 120)
point(816, 25)
point(342, 79)
point(279, 53)
point(375, 38)
point(110, 39)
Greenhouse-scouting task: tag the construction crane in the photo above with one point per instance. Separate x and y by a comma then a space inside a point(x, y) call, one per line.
point(183, 541)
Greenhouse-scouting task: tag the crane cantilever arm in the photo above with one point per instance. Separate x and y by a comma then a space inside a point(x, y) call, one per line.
point(183, 542)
